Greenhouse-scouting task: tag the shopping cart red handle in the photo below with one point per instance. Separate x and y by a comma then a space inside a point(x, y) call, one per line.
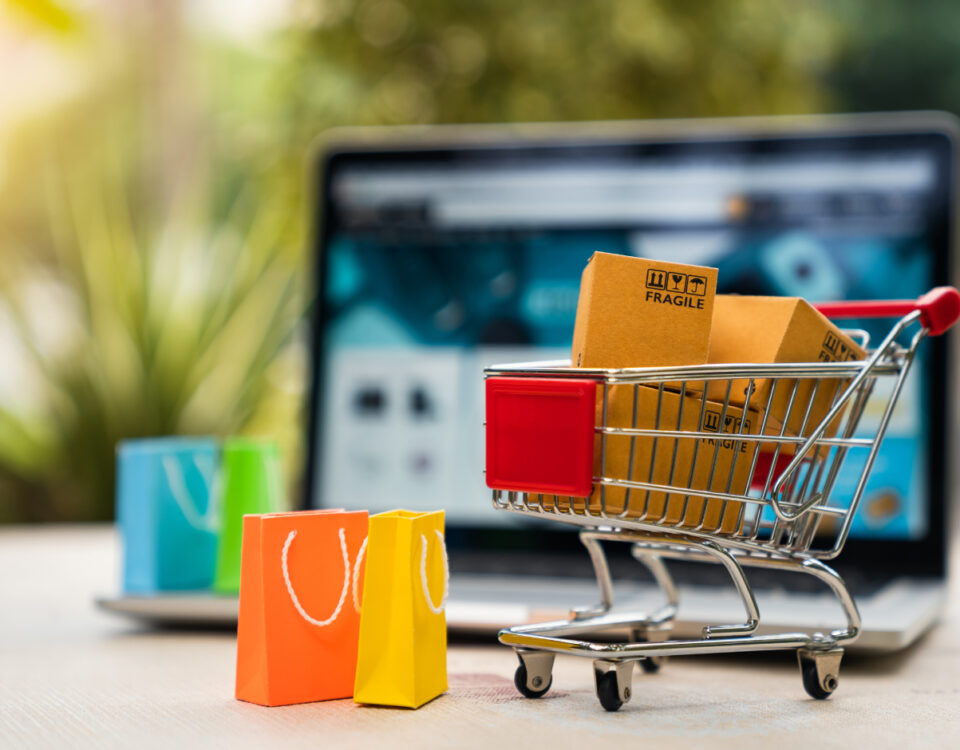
point(939, 309)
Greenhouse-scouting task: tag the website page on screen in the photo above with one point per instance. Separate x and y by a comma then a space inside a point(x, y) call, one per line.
point(433, 272)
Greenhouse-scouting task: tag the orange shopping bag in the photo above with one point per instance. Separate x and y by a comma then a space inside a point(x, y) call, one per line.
point(299, 606)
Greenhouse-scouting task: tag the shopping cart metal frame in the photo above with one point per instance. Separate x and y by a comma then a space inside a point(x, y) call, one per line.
point(791, 520)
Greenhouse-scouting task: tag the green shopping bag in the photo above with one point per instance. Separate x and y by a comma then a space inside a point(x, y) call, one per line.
point(252, 483)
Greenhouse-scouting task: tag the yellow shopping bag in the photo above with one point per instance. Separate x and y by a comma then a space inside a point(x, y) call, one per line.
point(402, 657)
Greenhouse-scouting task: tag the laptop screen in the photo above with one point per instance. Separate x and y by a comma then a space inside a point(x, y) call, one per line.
point(439, 262)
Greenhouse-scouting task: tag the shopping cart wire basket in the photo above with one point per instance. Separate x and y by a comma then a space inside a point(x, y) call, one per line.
point(735, 464)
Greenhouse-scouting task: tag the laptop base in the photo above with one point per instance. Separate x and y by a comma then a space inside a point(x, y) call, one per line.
point(894, 616)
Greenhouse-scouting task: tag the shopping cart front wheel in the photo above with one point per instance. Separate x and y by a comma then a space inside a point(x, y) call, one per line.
point(534, 675)
point(819, 671)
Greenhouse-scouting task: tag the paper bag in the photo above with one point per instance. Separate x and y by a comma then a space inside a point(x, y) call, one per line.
point(402, 659)
point(167, 513)
point(252, 483)
point(299, 606)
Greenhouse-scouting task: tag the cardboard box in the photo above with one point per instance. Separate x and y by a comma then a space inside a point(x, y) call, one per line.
point(635, 312)
point(653, 460)
point(778, 330)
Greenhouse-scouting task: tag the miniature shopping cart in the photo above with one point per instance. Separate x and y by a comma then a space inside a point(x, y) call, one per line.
point(693, 475)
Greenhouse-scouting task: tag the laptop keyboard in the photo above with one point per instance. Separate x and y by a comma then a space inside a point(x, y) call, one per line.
point(625, 569)
point(765, 579)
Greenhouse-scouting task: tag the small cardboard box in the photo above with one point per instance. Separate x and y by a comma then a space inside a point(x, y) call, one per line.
point(776, 330)
point(635, 312)
point(704, 464)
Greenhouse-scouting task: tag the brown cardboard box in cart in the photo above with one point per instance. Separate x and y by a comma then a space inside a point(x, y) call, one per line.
point(635, 312)
point(779, 330)
point(717, 465)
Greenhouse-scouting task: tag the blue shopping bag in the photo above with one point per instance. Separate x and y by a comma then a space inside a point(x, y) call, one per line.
point(166, 500)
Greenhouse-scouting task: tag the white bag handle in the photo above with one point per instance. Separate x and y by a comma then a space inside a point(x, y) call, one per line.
point(343, 592)
point(208, 521)
point(356, 574)
point(436, 609)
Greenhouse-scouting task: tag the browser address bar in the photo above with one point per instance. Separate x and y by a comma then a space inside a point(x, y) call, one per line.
point(566, 208)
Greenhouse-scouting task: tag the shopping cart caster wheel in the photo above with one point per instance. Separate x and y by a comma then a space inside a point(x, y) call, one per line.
point(811, 682)
point(537, 681)
point(520, 680)
point(613, 683)
point(650, 665)
point(820, 671)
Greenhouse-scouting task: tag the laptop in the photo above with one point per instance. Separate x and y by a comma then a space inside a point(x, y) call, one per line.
point(441, 251)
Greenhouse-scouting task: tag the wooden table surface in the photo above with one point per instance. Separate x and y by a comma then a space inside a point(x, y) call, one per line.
point(73, 677)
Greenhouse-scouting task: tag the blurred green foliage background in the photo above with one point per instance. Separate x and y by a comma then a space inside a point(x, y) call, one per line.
point(154, 182)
